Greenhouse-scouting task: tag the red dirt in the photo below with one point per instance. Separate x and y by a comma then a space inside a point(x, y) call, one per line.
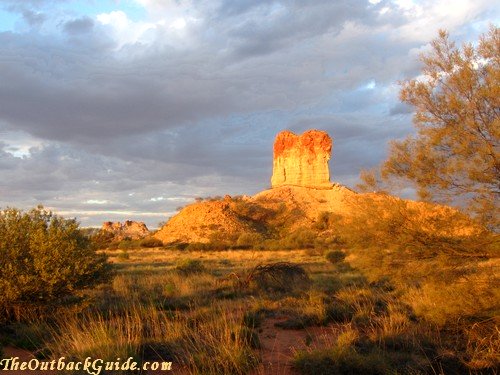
point(278, 346)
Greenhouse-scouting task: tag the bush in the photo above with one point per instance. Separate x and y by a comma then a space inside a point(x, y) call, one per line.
point(102, 239)
point(249, 240)
point(44, 258)
point(335, 256)
point(190, 266)
point(123, 255)
point(151, 242)
point(278, 277)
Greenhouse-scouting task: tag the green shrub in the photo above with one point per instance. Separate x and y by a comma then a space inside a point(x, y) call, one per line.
point(151, 242)
point(190, 266)
point(335, 256)
point(44, 258)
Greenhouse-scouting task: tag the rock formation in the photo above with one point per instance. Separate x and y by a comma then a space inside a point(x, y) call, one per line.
point(129, 229)
point(302, 160)
point(199, 221)
point(301, 194)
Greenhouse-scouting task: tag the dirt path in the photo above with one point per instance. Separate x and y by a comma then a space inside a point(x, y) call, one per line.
point(278, 345)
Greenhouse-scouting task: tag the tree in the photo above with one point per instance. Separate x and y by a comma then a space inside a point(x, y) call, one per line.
point(454, 157)
point(44, 259)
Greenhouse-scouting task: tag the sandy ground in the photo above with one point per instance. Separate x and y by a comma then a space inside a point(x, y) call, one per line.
point(278, 345)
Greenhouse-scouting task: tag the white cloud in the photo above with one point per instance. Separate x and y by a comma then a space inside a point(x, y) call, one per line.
point(126, 31)
point(96, 201)
point(178, 24)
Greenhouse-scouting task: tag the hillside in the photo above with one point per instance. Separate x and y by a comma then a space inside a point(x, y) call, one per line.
point(276, 212)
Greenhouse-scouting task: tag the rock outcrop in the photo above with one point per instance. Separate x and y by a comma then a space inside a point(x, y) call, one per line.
point(129, 229)
point(199, 221)
point(300, 196)
point(302, 160)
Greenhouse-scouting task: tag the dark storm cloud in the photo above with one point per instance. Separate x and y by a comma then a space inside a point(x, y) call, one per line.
point(78, 26)
point(33, 18)
point(138, 126)
point(59, 90)
point(400, 109)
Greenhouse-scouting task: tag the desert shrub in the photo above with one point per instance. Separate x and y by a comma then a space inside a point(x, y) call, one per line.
point(113, 245)
point(339, 312)
point(123, 255)
point(280, 277)
point(273, 277)
point(44, 258)
point(180, 246)
point(335, 256)
point(249, 240)
point(128, 244)
point(302, 238)
point(190, 266)
point(326, 220)
point(151, 242)
point(102, 239)
point(340, 361)
point(220, 240)
point(253, 211)
point(208, 246)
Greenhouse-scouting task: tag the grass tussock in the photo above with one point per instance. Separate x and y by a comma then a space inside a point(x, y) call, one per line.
point(207, 343)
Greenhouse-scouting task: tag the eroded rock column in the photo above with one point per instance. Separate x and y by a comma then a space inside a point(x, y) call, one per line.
point(302, 160)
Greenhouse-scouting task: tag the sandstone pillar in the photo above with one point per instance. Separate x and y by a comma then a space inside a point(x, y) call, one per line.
point(302, 160)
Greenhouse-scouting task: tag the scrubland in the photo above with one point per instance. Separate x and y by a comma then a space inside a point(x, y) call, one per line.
point(186, 307)
point(364, 297)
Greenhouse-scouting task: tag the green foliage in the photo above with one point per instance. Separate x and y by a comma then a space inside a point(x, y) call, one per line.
point(44, 258)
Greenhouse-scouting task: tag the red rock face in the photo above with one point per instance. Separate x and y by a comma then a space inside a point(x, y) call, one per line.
point(302, 160)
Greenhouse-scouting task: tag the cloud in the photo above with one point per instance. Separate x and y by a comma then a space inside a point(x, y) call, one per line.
point(106, 113)
point(79, 25)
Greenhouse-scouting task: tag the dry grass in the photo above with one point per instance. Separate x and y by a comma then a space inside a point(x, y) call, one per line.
point(155, 310)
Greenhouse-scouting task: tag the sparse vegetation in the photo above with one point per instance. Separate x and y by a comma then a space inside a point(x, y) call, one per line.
point(190, 266)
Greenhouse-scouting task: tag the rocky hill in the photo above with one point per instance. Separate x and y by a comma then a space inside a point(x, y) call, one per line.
point(133, 230)
point(302, 196)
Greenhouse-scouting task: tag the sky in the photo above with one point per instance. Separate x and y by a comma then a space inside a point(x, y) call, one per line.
point(129, 109)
